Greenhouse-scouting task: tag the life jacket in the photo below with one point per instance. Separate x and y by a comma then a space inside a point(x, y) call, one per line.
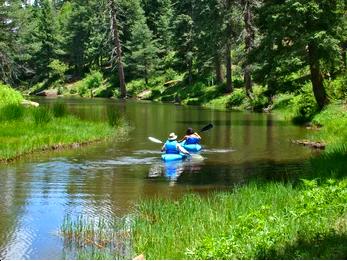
point(192, 140)
point(171, 147)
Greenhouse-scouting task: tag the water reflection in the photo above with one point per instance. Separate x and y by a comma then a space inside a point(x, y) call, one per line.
point(107, 178)
point(172, 170)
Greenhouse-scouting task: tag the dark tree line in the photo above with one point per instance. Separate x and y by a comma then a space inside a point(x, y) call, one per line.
point(132, 39)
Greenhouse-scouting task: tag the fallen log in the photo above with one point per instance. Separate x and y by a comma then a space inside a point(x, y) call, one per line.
point(312, 144)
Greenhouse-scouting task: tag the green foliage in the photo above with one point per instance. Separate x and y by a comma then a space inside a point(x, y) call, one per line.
point(11, 112)
point(42, 115)
point(304, 107)
point(282, 101)
point(9, 95)
point(253, 222)
point(59, 109)
point(303, 24)
point(314, 208)
point(259, 100)
point(236, 98)
point(337, 88)
point(37, 129)
point(58, 69)
point(92, 81)
point(333, 119)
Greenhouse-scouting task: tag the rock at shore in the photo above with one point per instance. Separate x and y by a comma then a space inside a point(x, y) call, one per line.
point(27, 103)
point(48, 93)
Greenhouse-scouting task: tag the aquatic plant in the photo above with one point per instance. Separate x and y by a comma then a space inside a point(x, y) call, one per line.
point(59, 109)
point(42, 115)
point(98, 238)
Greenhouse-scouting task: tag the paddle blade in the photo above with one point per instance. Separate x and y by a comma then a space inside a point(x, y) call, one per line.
point(155, 140)
point(207, 127)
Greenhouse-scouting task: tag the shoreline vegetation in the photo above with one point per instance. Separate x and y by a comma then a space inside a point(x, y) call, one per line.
point(288, 57)
point(25, 130)
point(305, 219)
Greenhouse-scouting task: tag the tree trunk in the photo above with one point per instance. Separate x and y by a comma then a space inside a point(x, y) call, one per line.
point(229, 87)
point(249, 42)
point(316, 77)
point(190, 71)
point(218, 68)
point(118, 48)
point(344, 56)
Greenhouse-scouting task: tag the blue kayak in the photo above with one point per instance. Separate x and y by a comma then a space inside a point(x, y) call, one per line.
point(172, 157)
point(191, 147)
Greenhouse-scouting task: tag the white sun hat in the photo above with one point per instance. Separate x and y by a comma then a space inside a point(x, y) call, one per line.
point(172, 136)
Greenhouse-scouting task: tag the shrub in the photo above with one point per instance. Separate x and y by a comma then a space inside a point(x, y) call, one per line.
point(42, 115)
point(236, 98)
point(58, 69)
point(9, 95)
point(337, 88)
point(11, 112)
point(304, 107)
point(73, 91)
point(59, 109)
point(92, 81)
point(282, 101)
point(259, 100)
point(170, 74)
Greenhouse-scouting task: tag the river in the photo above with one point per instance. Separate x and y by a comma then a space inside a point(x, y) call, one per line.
point(108, 178)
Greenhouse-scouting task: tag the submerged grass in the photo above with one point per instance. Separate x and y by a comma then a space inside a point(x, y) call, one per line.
point(97, 238)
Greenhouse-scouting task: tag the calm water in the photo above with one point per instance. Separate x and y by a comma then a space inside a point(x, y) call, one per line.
point(104, 179)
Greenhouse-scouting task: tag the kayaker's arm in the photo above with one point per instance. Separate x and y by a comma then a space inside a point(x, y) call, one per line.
point(197, 135)
point(183, 139)
point(181, 149)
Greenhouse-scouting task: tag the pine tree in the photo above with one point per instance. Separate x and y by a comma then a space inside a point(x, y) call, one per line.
point(143, 52)
point(308, 38)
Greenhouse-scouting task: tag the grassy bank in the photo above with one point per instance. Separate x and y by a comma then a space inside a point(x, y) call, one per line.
point(302, 220)
point(268, 221)
point(25, 130)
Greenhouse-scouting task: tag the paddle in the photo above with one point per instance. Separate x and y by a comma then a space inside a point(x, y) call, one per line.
point(207, 127)
point(160, 142)
point(155, 140)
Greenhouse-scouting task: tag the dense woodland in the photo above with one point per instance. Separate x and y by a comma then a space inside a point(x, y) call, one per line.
point(276, 44)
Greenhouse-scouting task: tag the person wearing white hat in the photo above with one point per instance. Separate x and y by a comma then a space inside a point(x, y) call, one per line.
point(171, 146)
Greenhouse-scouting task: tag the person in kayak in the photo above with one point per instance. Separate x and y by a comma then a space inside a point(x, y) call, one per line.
point(191, 137)
point(171, 146)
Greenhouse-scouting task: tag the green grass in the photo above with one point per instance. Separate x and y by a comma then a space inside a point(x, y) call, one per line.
point(9, 95)
point(254, 222)
point(333, 120)
point(28, 135)
point(25, 130)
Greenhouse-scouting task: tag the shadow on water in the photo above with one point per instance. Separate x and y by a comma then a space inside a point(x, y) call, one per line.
point(197, 173)
point(235, 122)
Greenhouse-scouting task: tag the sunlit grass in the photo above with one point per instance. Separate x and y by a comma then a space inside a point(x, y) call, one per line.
point(27, 130)
point(254, 222)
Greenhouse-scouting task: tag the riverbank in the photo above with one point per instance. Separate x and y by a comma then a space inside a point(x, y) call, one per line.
point(305, 219)
point(26, 130)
